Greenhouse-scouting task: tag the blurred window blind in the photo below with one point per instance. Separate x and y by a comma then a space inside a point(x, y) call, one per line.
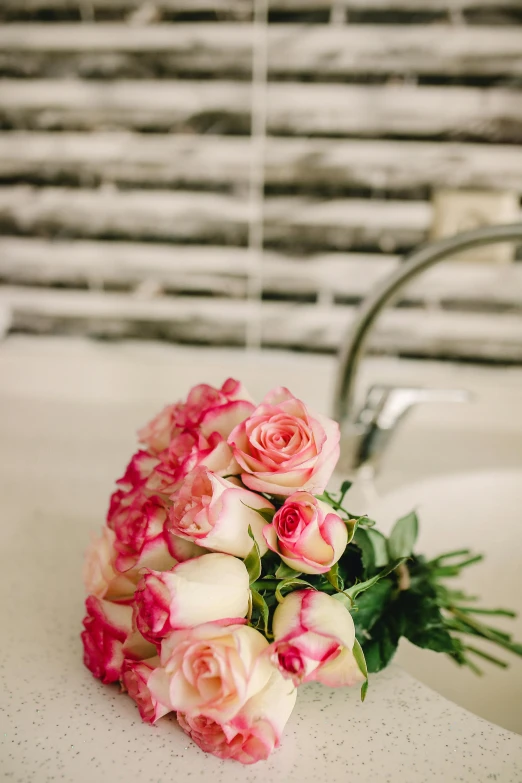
point(237, 172)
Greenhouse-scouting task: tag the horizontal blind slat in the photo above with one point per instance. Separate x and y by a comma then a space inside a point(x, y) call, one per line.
point(241, 8)
point(407, 331)
point(190, 160)
point(192, 216)
point(293, 108)
point(225, 271)
point(319, 50)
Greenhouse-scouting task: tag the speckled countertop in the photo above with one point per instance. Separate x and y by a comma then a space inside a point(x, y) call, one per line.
point(59, 453)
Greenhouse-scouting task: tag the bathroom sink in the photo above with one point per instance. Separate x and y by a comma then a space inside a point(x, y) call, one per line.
point(68, 413)
point(481, 510)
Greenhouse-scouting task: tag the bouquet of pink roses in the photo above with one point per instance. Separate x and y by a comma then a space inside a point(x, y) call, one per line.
point(227, 576)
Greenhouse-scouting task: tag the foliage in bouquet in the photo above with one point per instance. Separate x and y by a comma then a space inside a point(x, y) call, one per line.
point(227, 576)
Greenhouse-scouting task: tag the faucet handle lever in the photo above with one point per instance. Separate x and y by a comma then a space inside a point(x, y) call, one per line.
point(384, 408)
point(386, 405)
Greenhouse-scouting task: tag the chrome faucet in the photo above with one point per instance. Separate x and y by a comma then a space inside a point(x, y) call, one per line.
point(364, 433)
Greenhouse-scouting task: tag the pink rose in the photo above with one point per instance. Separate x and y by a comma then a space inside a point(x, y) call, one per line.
point(314, 637)
point(135, 677)
point(212, 669)
point(282, 447)
point(216, 514)
point(137, 520)
point(109, 637)
point(206, 588)
point(136, 516)
point(158, 433)
point(137, 471)
point(307, 534)
point(254, 732)
point(187, 450)
point(187, 434)
point(203, 402)
point(99, 572)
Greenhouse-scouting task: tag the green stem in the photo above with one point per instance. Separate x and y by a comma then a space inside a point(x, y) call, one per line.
point(463, 627)
point(487, 657)
point(454, 569)
point(456, 553)
point(457, 595)
point(477, 610)
point(488, 633)
point(265, 584)
point(469, 561)
point(474, 668)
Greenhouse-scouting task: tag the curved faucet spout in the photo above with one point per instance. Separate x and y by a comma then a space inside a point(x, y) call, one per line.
point(354, 343)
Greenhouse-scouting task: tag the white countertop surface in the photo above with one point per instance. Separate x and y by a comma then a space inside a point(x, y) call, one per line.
point(68, 413)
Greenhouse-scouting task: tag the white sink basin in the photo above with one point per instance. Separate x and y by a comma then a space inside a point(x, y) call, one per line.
point(68, 413)
point(481, 511)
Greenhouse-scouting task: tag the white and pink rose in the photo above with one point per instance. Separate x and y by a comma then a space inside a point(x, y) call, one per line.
point(307, 534)
point(314, 636)
point(135, 678)
point(210, 587)
point(204, 405)
point(216, 514)
point(189, 434)
point(212, 670)
point(109, 636)
point(100, 576)
point(137, 521)
point(254, 732)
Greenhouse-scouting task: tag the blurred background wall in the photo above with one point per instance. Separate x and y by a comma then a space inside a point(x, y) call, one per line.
point(228, 173)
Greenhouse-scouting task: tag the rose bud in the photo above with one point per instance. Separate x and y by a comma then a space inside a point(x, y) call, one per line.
point(109, 637)
point(255, 731)
point(307, 534)
point(135, 677)
point(283, 447)
point(216, 514)
point(212, 669)
point(314, 637)
point(211, 587)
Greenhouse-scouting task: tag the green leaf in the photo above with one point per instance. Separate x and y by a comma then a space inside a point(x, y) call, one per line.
point(381, 648)
point(351, 527)
point(403, 536)
point(366, 522)
point(260, 605)
point(361, 663)
point(371, 605)
point(334, 577)
point(285, 572)
point(374, 548)
point(353, 523)
point(345, 486)
point(266, 513)
point(423, 623)
point(290, 583)
point(353, 592)
point(253, 560)
point(437, 639)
